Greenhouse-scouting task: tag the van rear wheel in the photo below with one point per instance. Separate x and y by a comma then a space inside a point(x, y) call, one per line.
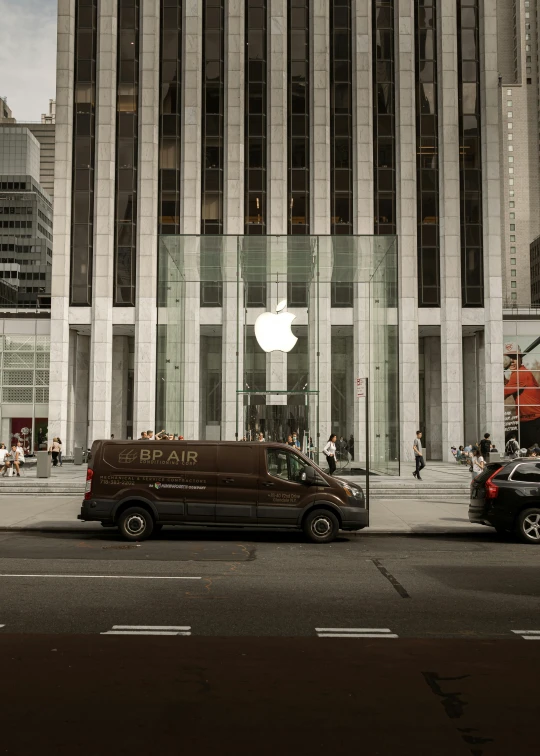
point(321, 526)
point(136, 524)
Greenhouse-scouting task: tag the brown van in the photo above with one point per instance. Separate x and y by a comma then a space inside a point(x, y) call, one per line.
point(140, 486)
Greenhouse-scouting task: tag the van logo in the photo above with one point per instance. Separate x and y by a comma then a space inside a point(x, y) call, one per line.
point(128, 455)
point(157, 485)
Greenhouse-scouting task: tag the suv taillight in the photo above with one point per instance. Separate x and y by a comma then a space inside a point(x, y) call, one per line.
point(88, 489)
point(492, 491)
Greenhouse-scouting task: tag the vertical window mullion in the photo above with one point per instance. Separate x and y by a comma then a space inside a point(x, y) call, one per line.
point(84, 114)
point(127, 151)
point(427, 154)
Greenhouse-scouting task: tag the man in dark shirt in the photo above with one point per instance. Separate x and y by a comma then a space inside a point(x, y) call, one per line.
point(485, 447)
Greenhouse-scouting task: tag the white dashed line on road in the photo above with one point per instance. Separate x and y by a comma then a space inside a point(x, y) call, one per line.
point(355, 632)
point(528, 634)
point(149, 630)
point(109, 577)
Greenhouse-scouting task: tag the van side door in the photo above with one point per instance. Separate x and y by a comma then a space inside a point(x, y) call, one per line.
point(238, 468)
point(282, 495)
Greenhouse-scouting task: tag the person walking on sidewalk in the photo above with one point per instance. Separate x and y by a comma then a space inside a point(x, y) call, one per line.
point(485, 447)
point(329, 452)
point(477, 462)
point(418, 455)
point(55, 450)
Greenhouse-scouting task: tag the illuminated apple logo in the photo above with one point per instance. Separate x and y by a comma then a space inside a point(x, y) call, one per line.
point(273, 332)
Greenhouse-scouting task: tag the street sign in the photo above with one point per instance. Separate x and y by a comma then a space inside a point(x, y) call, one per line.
point(360, 388)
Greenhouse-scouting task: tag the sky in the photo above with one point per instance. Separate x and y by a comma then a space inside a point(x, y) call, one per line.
point(28, 56)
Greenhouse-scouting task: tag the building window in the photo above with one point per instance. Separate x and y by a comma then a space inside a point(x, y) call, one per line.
point(127, 127)
point(298, 116)
point(341, 175)
point(84, 114)
point(512, 261)
point(513, 273)
point(513, 284)
point(212, 117)
point(427, 159)
point(255, 117)
point(384, 129)
point(170, 116)
point(472, 267)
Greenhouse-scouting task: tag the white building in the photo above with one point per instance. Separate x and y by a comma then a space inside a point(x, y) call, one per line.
point(256, 121)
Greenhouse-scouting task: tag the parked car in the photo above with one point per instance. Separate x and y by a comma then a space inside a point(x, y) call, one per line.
point(506, 496)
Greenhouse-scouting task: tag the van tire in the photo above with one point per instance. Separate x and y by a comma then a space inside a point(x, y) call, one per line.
point(321, 526)
point(136, 524)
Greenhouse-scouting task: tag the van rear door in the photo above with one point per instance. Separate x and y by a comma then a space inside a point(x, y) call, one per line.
point(282, 495)
point(238, 468)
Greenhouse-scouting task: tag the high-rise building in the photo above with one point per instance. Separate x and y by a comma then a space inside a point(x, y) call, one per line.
point(214, 159)
point(6, 116)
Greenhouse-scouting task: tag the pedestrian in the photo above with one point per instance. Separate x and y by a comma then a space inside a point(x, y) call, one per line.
point(15, 459)
point(261, 437)
point(418, 455)
point(59, 451)
point(485, 447)
point(296, 442)
point(351, 446)
point(3, 462)
point(150, 435)
point(329, 452)
point(477, 462)
point(20, 452)
point(112, 436)
point(55, 450)
point(290, 442)
point(144, 436)
point(511, 449)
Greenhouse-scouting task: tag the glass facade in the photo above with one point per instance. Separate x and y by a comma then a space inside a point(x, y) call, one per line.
point(341, 147)
point(127, 128)
point(278, 392)
point(384, 124)
point(213, 106)
point(298, 117)
point(427, 154)
point(170, 116)
point(84, 116)
point(470, 156)
point(255, 117)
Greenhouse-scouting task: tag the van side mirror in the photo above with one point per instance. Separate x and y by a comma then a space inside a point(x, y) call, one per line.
point(308, 476)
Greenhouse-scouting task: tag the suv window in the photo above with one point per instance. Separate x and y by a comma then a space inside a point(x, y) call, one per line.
point(528, 472)
point(284, 464)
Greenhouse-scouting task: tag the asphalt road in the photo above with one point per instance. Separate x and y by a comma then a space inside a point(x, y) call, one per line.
point(203, 642)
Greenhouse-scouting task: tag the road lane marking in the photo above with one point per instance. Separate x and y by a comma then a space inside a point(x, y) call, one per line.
point(355, 632)
point(149, 630)
point(109, 577)
point(528, 634)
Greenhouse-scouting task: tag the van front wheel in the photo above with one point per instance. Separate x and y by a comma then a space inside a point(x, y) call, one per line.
point(321, 526)
point(136, 524)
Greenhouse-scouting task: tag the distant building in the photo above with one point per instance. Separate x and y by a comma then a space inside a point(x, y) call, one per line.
point(50, 117)
point(6, 116)
point(25, 218)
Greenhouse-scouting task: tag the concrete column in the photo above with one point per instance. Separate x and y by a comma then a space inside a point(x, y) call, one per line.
point(144, 375)
point(276, 291)
point(450, 240)
point(191, 213)
point(363, 197)
point(432, 383)
point(80, 391)
point(319, 82)
point(491, 212)
point(101, 340)
point(470, 390)
point(58, 380)
point(120, 386)
point(233, 210)
point(277, 132)
point(406, 226)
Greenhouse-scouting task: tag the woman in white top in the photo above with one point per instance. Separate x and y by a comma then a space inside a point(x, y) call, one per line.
point(477, 462)
point(4, 464)
point(330, 453)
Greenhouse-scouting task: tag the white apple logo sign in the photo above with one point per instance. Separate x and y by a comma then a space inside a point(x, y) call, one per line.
point(273, 332)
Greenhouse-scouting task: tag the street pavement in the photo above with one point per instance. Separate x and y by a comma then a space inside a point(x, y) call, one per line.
point(206, 641)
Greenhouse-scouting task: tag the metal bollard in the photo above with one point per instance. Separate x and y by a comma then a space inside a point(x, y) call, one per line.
point(77, 456)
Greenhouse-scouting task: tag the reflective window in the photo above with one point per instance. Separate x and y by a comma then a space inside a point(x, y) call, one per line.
point(212, 117)
point(427, 155)
point(384, 177)
point(255, 117)
point(127, 127)
point(298, 117)
point(472, 268)
point(84, 112)
point(341, 175)
point(170, 104)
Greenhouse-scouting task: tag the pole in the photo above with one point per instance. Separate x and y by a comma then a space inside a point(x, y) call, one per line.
point(367, 444)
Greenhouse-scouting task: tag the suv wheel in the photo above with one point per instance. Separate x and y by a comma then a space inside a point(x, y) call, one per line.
point(528, 525)
point(321, 526)
point(136, 524)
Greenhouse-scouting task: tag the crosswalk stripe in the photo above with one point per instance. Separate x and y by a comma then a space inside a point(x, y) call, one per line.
point(149, 630)
point(145, 632)
point(528, 634)
point(151, 627)
point(357, 635)
point(353, 629)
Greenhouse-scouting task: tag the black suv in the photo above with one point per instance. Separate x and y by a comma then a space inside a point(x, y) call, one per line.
point(506, 495)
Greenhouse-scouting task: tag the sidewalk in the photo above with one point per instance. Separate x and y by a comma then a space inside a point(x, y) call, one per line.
point(54, 513)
